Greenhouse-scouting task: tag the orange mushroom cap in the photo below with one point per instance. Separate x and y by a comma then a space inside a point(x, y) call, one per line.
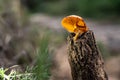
point(74, 24)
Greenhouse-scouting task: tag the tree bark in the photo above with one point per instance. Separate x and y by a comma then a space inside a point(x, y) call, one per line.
point(85, 59)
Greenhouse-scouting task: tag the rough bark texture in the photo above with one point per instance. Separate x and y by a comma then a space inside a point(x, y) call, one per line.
point(84, 57)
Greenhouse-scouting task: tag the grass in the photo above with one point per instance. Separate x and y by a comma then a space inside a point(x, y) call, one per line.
point(39, 71)
point(14, 75)
point(43, 63)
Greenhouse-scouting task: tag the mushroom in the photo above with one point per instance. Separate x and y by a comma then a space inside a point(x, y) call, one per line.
point(74, 24)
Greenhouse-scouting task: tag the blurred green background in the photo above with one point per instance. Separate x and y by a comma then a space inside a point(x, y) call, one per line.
point(31, 37)
point(87, 8)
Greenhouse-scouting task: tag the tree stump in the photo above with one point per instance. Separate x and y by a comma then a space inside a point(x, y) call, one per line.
point(84, 57)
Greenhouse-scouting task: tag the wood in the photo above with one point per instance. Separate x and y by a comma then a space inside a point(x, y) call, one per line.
point(84, 57)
